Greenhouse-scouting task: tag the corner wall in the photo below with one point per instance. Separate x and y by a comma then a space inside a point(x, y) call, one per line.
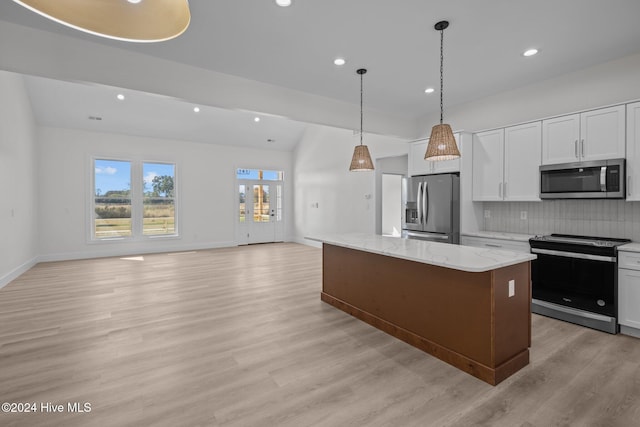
point(18, 172)
point(329, 198)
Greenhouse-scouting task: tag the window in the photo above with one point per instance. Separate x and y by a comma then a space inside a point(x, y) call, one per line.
point(159, 215)
point(112, 199)
point(122, 210)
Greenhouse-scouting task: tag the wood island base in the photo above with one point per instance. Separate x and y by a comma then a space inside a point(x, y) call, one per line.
point(466, 319)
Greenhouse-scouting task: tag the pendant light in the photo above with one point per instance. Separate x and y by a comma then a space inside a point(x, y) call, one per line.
point(361, 160)
point(125, 20)
point(442, 145)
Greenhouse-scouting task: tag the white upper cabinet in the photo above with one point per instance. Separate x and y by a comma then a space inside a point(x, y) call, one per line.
point(633, 152)
point(506, 164)
point(488, 165)
point(522, 154)
point(419, 166)
point(592, 135)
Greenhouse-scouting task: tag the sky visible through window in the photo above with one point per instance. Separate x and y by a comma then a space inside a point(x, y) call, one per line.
point(115, 175)
point(112, 175)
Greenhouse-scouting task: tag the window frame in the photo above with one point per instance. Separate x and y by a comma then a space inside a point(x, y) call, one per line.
point(137, 201)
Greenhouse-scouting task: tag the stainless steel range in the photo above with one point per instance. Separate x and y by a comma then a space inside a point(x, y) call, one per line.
point(575, 279)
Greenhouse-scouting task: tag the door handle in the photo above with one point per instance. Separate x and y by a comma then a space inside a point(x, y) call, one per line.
point(582, 147)
point(629, 185)
point(419, 203)
point(425, 206)
point(575, 148)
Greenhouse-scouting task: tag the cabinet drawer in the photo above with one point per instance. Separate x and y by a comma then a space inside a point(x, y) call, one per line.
point(489, 243)
point(630, 260)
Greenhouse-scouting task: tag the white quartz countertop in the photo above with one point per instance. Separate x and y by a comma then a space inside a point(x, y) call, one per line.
point(499, 235)
point(630, 247)
point(457, 257)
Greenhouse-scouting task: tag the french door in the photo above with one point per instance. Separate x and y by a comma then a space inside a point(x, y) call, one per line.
point(260, 212)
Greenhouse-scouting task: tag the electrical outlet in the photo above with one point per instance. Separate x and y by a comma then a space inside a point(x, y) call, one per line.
point(487, 213)
point(523, 215)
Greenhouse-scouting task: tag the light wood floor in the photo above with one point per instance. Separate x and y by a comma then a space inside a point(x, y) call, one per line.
point(239, 337)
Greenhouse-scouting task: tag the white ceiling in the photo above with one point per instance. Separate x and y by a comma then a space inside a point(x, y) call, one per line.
point(294, 48)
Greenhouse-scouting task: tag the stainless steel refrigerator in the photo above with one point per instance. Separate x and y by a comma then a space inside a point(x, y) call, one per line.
point(431, 208)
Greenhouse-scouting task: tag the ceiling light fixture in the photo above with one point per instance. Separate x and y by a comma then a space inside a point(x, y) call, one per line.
point(196, 109)
point(442, 145)
point(256, 119)
point(361, 160)
point(339, 61)
point(530, 52)
point(151, 21)
point(120, 97)
point(429, 90)
point(283, 3)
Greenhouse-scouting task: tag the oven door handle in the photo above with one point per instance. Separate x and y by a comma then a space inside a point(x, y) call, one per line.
point(574, 255)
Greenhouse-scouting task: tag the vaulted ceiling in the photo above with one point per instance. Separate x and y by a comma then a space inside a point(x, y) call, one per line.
point(288, 54)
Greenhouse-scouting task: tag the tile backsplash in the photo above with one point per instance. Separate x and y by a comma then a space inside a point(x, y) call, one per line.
point(604, 218)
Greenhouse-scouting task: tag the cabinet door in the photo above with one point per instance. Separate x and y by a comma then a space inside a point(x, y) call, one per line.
point(629, 298)
point(488, 165)
point(560, 139)
point(448, 166)
point(417, 164)
point(633, 152)
point(602, 133)
point(522, 153)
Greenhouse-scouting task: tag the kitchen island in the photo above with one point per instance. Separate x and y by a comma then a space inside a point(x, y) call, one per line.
point(467, 306)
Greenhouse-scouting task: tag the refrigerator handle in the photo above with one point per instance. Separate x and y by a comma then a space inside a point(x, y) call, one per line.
point(425, 203)
point(419, 203)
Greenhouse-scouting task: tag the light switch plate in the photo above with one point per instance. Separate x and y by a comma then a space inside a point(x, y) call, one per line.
point(512, 288)
point(487, 213)
point(523, 215)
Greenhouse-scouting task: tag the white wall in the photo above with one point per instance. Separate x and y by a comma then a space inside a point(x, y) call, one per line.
point(322, 178)
point(18, 203)
point(609, 83)
point(206, 183)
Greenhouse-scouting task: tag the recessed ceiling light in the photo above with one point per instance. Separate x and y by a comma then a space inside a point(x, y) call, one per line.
point(429, 90)
point(530, 52)
point(120, 97)
point(283, 3)
point(196, 109)
point(134, 1)
point(339, 61)
point(256, 119)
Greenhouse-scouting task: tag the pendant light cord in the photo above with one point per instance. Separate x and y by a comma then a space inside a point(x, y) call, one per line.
point(361, 115)
point(441, 73)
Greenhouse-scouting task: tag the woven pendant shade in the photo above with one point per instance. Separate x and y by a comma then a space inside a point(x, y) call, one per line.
point(146, 21)
point(442, 145)
point(361, 160)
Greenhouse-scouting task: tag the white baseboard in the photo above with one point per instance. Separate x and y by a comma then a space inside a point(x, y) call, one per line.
point(307, 242)
point(16, 272)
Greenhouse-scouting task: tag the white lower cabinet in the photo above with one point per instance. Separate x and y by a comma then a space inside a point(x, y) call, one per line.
point(491, 243)
point(629, 292)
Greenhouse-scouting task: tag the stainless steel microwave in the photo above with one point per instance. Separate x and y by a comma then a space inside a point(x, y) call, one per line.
point(599, 179)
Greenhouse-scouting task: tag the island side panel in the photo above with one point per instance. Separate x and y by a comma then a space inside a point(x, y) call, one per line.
point(512, 316)
point(450, 308)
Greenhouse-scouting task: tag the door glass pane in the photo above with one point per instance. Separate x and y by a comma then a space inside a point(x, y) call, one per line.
point(261, 203)
point(112, 199)
point(242, 202)
point(159, 199)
